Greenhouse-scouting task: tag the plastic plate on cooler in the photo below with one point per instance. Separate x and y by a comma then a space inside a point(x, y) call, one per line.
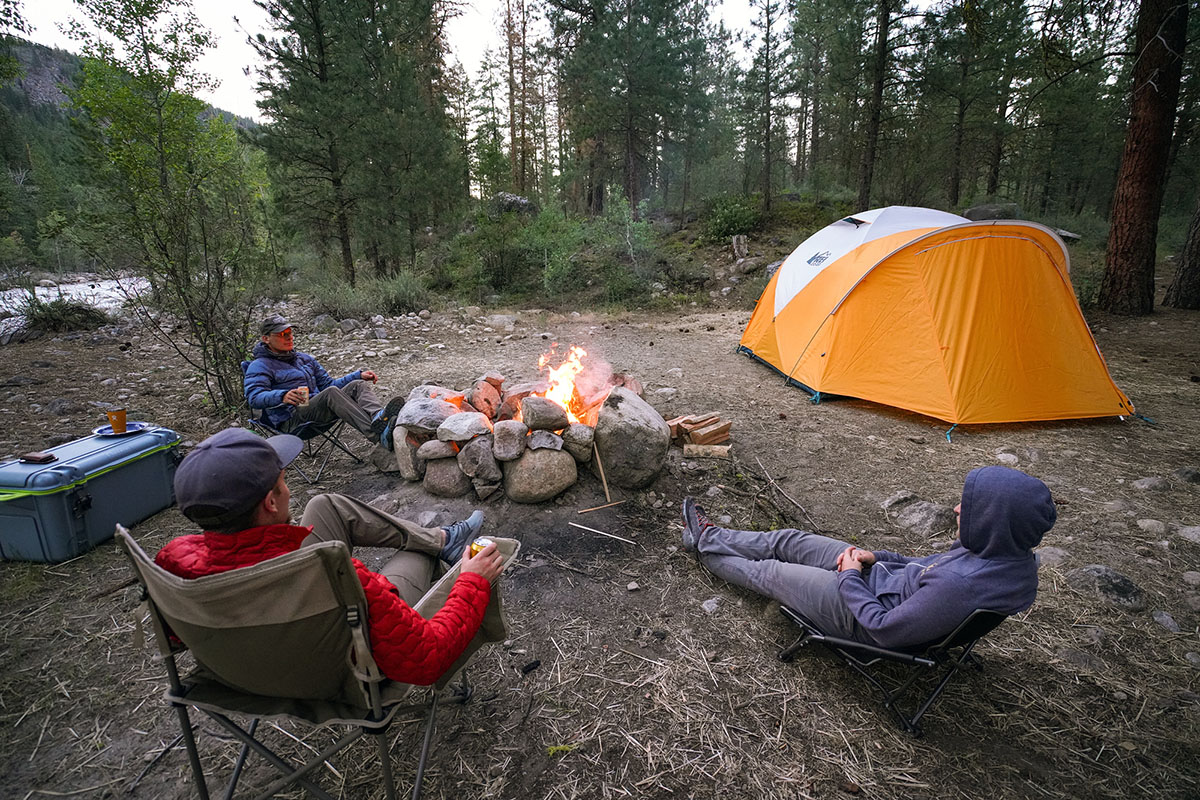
point(130, 429)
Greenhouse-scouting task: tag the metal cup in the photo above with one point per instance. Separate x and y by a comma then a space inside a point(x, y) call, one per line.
point(303, 391)
point(116, 419)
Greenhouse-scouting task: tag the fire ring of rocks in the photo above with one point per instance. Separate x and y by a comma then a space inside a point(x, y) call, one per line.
point(529, 440)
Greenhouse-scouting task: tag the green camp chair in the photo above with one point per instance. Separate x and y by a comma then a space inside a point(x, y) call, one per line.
point(285, 638)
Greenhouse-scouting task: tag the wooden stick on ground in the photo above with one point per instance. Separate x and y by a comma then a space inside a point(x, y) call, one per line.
point(779, 489)
point(603, 480)
point(597, 508)
point(602, 533)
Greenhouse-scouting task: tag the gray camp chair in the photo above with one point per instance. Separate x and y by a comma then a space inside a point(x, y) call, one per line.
point(285, 638)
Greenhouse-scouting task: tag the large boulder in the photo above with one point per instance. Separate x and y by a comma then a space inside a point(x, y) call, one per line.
point(577, 440)
point(541, 414)
point(430, 391)
point(486, 397)
point(476, 461)
point(632, 440)
point(464, 427)
point(405, 448)
point(444, 479)
point(425, 414)
point(509, 439)
point(539, 475)
point(513, 396)
point(1108, 586)
point(436, 449)
point(906, 510)
point(545, 440)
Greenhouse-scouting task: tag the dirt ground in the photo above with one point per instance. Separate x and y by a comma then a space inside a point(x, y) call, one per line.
point(608, 692)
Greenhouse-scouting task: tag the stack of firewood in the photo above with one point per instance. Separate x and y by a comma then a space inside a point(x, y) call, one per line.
point(702, 434)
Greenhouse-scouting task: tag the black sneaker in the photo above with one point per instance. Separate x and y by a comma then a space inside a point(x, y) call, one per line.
point(459, 535)
point(694, 523)
point(385, 421)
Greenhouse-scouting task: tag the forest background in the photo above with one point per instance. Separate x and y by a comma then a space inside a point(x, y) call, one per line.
point(595, 157)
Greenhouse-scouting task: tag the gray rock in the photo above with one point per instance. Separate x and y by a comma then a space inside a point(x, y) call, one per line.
point(477, 461)
point(425, 415)
point(512, 397)
point(424, 313)
point(379, 333)
point(1007, 459)
point(485, 397)
point(710, 605)
point(509, 439)
point(1110, 586)
point(632, 586)
point(900, 498)
point(1193, 659)
point(444, 479)
point(505, 322)
point(1188, 474)
point(464, 427)
point(61, 406)
point(323, 323)
point(577, 440)
point(436, 449)
point(427, 519)
point(495, 379)
point(405, 450)
point(665, 395)
point(1192, 534)
point(1166, 620)
point(921, 516)
point(544, 440)
point(383, 459)
point(484, 490)
point(1051, 556)
point(348, 325)
point(1153, 484)
point(538, 475)
point(541, 414)
point(1152, 526)
point(432, 391)
point(1191, 578)
point(631, 438)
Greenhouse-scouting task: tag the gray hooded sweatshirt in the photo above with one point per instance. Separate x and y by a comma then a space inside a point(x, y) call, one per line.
point(904, 601)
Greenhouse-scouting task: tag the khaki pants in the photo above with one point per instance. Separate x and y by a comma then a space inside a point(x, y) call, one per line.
point(412, 570)
point(356, 403)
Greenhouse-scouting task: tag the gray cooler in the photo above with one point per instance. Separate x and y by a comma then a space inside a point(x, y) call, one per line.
point(53, 512)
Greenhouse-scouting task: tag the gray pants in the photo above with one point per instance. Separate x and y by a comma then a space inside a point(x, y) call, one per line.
point(412, 569)
point(797, 568)
point(356, 403)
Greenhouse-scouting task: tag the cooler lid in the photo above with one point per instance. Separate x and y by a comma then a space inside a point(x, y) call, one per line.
point(81, 460)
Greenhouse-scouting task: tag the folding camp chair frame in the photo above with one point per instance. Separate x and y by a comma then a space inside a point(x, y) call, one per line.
point(319, 438)
point(184, 693)
point(947, 654)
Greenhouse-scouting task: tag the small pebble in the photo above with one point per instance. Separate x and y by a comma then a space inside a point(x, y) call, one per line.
point(633, 586)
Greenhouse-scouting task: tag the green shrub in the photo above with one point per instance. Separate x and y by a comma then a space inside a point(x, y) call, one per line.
point(60, 314)
point(731, 216)
point(399, 294)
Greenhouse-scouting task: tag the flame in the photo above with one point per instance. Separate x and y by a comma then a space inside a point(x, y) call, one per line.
point(562, 379)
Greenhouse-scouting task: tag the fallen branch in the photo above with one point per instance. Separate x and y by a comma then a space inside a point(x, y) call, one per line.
point(597, 508)
point(602, 533)
point(603, 480)
point(775, 485)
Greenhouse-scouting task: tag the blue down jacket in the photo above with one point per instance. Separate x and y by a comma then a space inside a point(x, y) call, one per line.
point(905, 601)
point(271, 375)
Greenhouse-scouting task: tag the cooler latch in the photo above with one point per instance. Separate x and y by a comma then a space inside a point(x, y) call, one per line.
point(83, 503)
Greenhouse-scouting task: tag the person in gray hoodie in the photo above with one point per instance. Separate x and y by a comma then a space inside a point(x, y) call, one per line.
point(883, 598)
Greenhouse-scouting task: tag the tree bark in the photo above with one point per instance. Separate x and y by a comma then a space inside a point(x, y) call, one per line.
point(1184, 291)
point(866, 169)
point(1128, 284)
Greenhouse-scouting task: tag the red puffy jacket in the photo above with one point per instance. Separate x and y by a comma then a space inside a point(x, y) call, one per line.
point(407, 647)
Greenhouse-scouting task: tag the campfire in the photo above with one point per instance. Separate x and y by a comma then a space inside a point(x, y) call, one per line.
point(529, 439)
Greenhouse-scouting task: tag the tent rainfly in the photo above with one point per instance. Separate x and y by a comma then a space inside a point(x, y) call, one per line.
point(967, 322)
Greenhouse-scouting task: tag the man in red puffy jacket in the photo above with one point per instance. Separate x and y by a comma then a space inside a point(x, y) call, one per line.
point(232, 485)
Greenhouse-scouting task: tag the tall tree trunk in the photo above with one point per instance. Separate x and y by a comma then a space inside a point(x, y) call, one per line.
point(767, 100)
point(1184, 291)
point(341, 213)
point(960, 117)
point(798, 169)
point(866, 169)
point(510, 35)
point(1128, 285)
point(996, 157)
point(814, 133)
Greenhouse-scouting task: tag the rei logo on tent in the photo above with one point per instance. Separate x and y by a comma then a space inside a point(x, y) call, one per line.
point(967, 322)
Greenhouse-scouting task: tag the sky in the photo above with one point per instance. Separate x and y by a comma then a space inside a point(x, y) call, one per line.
point(475, 30)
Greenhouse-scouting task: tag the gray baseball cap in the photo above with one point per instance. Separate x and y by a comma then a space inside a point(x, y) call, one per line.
point(276, 323)
point(229, 473)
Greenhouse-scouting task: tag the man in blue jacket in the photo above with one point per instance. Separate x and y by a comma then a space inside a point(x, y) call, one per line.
point(293, 388)
point(883, 598)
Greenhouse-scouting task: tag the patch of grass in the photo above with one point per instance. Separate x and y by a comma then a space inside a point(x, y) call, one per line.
point(399, 294)
point(20, 582)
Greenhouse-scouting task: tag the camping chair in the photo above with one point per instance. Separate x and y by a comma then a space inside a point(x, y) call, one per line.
point(922, 661)
point(319, 439)
point(283, 639)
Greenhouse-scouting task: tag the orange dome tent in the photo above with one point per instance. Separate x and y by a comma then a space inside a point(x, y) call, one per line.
point(964, 321)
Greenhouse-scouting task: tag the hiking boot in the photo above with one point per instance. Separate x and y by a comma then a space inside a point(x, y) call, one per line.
point(459, 535)
point(384, 422)
point(694, 523)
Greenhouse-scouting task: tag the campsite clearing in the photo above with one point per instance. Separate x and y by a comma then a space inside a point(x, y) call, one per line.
point(673, 689)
